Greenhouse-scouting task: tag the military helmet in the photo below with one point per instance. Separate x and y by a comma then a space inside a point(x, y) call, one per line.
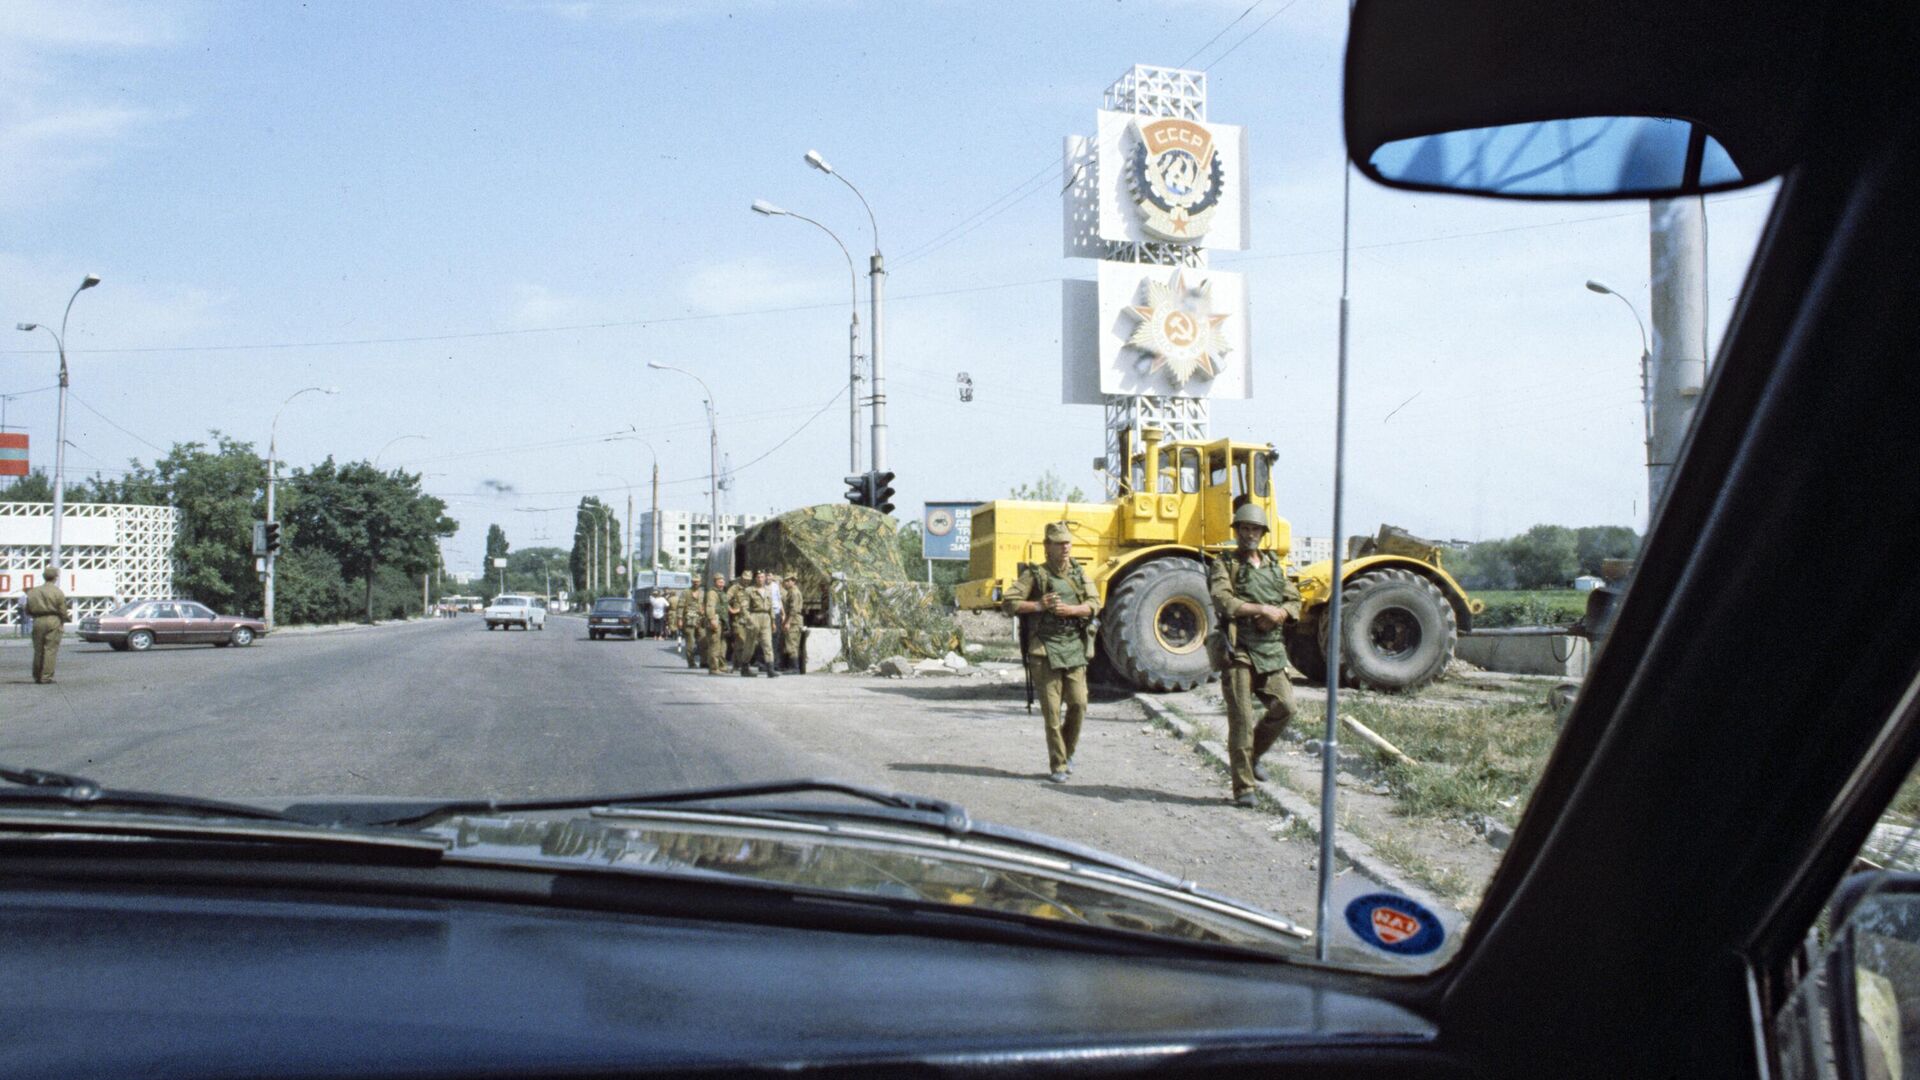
point(1058, 533)
point(1251, 514)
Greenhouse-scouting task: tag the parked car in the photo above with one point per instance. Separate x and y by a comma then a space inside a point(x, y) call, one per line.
point(614, 615)
point(521, 611)
point(141, 625)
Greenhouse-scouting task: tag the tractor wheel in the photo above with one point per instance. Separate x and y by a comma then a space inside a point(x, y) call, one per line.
point(1307, 647)
point(1155, 627)
point(1397, 631)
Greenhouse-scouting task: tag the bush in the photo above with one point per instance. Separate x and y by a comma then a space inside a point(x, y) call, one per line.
point(1554, 607)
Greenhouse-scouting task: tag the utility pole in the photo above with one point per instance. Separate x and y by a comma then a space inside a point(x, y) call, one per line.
point(1678, 310)
point(629, 540)
point(654, 547)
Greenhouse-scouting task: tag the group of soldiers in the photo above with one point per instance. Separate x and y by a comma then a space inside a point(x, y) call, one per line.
point(1254, 600)
point(756, 621)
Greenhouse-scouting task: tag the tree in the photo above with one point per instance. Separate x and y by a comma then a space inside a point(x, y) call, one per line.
point(596, 543)
point(219, 491)
point(1484, 565)
point(532, 568)
point(1049, 488)
point(37, 487)
point(1597, 543)
point(366, 518)
point(1544, 557)
point(496, 549)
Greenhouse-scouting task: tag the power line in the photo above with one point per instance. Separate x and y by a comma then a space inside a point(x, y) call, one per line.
point(1222, 32)
point(1250, 33)
point(110, 420)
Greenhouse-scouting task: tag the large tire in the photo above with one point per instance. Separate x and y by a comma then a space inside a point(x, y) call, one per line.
point(1397, 631)
point(1155, 626)
point(1307, 647)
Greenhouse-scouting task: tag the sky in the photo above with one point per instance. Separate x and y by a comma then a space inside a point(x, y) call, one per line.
point(480, 222)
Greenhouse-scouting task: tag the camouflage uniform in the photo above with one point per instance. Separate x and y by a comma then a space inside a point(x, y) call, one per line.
point(1058, 648)
point(712, 625)
point(759, 603)
point(1255, 674)
point(741, 635)
point(791, 606)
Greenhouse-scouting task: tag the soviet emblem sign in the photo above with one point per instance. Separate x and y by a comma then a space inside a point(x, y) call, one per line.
point(1177, 176)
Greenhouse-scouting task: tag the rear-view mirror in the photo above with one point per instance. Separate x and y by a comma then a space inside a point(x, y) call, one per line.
point(1581, 100)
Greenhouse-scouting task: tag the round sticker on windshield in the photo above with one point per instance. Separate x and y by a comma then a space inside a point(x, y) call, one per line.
point(1395, 924)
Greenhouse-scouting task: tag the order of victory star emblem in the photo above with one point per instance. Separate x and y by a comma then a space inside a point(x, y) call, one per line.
point(1177, 176)
point(1179, 330)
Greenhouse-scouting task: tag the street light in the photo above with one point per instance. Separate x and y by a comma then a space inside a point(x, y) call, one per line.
point(653, 527)
point(273, 437)
point(60, 435)
point(1646, 385)
point(629, 486)
point(713, 471)
point(389, 445)
point(767, 209)
point(876, 276)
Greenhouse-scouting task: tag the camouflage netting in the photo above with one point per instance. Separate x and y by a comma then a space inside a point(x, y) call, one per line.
point(882, 613)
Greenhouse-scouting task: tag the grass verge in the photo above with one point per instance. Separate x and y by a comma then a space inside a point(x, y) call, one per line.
point(1474, 759)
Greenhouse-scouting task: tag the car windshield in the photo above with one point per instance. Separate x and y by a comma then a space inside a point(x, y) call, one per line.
point(367, 318)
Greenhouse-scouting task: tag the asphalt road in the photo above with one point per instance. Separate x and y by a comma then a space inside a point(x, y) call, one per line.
point(435, 708)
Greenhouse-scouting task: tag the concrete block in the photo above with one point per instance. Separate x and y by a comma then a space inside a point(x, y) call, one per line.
point(1525, 651)
point(822, 648)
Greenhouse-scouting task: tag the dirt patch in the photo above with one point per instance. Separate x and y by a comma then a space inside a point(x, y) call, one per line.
point(1480, 741)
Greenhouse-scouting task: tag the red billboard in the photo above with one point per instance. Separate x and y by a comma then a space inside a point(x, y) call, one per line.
point(13, 453)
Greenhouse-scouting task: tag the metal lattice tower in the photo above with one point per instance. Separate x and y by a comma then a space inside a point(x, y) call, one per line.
point(1160, 92)
point(141, 555)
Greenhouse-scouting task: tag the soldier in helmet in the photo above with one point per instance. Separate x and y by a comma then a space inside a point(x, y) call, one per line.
point(1058, 607)
point(1255, 600)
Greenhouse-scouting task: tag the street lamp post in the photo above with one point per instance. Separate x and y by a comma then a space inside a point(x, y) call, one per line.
point(761, 206)
point(1646, 394)
point(629, 486)
point(713, 472)
point(389, 445)
point(877, 278)
point(273, 438)
point(60, 433)
point(653, 527)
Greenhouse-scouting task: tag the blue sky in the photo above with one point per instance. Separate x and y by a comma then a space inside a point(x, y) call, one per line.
point(480, 221)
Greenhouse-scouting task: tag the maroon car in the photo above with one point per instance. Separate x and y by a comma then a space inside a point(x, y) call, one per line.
point(141, 625)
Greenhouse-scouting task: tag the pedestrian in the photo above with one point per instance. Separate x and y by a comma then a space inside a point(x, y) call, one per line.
point(690, 626)
point(796, 628)
point(740, 624)
point(713, 609)
point(46, 605)
point(657, 609)
point(1057, 608)
point(1254, 601)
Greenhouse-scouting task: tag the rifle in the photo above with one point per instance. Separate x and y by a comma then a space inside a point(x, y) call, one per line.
point(1025, 623)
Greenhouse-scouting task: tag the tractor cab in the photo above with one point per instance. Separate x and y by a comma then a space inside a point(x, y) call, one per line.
point(1175, 492)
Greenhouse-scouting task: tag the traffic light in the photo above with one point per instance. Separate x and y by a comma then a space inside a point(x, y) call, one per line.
point(273, 537)
point(859, 493)
point(881, 487)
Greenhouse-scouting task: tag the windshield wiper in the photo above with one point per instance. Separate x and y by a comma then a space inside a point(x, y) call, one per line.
point(952, 818)
point(44, 786)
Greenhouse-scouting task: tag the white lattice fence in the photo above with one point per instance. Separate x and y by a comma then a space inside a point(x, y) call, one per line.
point(126, 546)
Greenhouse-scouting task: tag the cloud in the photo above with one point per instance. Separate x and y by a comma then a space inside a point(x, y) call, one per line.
point(50, 132)
point(753, 284)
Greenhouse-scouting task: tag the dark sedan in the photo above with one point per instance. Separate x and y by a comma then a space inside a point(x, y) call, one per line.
point(614, 615)
point(141, 625)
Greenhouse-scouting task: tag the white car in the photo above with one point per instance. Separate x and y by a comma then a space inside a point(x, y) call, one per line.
point(525, 612)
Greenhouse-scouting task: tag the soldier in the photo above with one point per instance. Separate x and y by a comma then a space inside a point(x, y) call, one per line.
point(760, 612)
point(1254, 600)
point(1057, 607)
point(46, 605)
point(796, 623)
point(690, 625)
point(740, 624)
point(713, 607)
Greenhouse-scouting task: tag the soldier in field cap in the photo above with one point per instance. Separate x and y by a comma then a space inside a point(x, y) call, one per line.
point(1056, 607)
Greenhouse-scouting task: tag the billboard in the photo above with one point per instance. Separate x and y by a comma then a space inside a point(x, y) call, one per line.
point(1169, 180)
point(27, 530)
point(17, 579)
point(946, 531)
point(13, 453)
point(1167, 331)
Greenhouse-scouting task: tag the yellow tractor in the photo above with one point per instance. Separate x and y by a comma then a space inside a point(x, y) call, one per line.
point(1146, 552)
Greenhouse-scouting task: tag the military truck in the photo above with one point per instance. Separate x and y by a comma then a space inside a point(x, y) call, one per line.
point(1146, 553)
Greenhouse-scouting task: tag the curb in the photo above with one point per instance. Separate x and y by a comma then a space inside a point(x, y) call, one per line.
point(1349, 847)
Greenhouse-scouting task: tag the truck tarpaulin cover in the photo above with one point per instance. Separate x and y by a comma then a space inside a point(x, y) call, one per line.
point(883, 612)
